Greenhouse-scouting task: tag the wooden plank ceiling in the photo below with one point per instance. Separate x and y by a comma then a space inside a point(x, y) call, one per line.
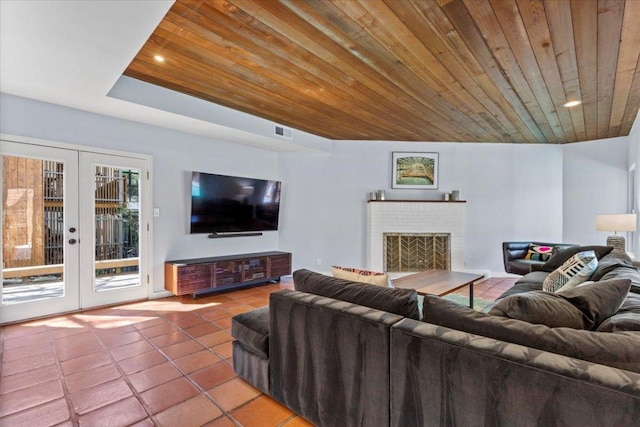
point(409, 70)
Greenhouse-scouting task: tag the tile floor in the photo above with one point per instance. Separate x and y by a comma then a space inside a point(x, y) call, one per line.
point(162, 362)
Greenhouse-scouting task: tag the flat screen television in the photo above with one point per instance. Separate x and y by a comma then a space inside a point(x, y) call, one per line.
point(233, 204)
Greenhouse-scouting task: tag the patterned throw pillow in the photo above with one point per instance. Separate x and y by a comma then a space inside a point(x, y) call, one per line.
point(539, 253)
point(574, 271)
point(363, 276)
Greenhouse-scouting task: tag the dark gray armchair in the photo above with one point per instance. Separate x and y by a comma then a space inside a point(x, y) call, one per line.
point(514, 254)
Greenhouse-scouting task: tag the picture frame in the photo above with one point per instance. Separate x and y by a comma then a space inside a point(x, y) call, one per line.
point(414, 171)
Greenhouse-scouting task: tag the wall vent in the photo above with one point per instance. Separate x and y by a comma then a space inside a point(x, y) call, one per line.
point(283, 132)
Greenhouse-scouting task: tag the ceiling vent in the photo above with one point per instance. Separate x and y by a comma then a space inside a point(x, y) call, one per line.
point(283, 132)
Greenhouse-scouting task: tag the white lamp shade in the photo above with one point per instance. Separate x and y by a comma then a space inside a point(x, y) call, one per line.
point(617, 222)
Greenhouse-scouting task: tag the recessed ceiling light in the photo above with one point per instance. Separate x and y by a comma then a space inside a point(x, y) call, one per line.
point(572, 103)
point(159, 58)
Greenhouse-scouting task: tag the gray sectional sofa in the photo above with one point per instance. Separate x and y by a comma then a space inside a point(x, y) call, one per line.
point(347, 354)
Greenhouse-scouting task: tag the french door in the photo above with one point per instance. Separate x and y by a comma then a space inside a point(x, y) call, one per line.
point(74, 230)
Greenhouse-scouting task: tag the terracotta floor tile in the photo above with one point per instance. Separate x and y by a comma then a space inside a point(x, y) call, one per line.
point(259, 304)
point(169, 339)
point(121, 339)
point(23, 329)
point(126, 328)
point(218, 314)
point(224, 350)
point(182, 349)
point(223, 323)
point(65, 332)
point(28, 363)
point(139, 363)
point(262, 411)
point(196, 411)
point(147, 422)
point(229, 304)
point(40, 339)
point(122, 413)
point(297, 422)
point(48, 414)
point(75, 340)
point(150, 323)
point(213, 375)
point(91, 378)
point(158, 330)
point(152, 377)
point(129, 350)
point(221, 422)
point(73, 351)
point(233, 394)
point(189, 321)
point(90, 399)
point(201, 330)
point(85, 363)
point(239, 309)
point(164, 396)
point(215, 338)
point(196, 361)
point(29, 378)
point(114, 373)
point(30, 397)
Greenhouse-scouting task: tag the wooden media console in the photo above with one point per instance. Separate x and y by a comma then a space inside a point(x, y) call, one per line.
point(202, 275)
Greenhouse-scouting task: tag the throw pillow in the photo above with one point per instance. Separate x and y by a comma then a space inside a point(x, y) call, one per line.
point(363, 276)
point(598, 300)
point(539, 307)
point(583, 307)
point(574, 271)
point(539, 253)
point(562, 256)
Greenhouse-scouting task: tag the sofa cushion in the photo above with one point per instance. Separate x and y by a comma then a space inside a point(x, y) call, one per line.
point(617, 349)
point(610, 262)
point(562, 256)
point(545, 308)
point(598, 300)
point(399, 301)
point(627, 318)
point(625, 273)
point(574, 271)
point(583, 307)
point(252, 330)
point(363, 276)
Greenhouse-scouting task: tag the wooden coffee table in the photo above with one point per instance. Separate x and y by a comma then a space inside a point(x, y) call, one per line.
point(438, 282)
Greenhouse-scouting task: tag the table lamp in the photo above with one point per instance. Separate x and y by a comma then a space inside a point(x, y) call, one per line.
point(615, 223)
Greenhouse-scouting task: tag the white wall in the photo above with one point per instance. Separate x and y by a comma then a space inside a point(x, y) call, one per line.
point(175, 155)
point(513, 192)
point(594, 182)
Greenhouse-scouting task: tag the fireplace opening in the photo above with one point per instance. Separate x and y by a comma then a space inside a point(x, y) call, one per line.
point(408, 252)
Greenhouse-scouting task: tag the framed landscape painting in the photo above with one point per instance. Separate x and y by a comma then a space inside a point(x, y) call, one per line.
point(415, 171)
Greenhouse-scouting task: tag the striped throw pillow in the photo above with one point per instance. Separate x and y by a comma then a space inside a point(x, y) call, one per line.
point(574, 271)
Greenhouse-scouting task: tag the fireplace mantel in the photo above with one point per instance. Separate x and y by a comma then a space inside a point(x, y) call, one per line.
point(414, 216)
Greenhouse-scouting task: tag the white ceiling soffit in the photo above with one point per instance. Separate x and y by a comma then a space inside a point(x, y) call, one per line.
point(73, 53)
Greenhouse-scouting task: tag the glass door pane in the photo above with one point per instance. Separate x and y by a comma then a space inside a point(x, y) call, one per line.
point(39, 251)
point(33, 229)
point(112, 191)
point(117, 225)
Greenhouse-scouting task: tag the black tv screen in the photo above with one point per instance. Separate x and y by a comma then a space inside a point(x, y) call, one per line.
point(221, 203)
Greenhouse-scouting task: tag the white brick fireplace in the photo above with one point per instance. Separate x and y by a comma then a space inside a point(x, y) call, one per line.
point(408, 216)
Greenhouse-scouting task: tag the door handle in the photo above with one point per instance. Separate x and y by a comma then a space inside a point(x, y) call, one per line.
point(72, 241)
